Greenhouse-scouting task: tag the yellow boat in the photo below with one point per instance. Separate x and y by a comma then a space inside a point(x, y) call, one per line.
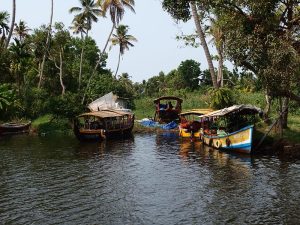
point(190, 124)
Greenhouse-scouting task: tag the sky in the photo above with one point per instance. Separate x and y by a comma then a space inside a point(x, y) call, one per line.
point(156, 50)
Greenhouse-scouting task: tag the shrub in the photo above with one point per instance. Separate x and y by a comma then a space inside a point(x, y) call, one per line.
point(221, 98)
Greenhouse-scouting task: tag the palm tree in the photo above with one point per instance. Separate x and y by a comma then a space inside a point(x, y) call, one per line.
point(21, 30)
point(122, 39)
point(82, 23)
point(201, 35)
point(12, 24)
point(80, 27)
point(4, 29)
point(116, 10)
point(89, 13)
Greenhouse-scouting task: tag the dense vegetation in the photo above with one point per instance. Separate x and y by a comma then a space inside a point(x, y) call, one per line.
point(56, 69)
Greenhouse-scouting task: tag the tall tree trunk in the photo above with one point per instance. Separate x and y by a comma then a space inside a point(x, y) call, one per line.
point(41, 72)
point(61, 72)
point(12, 24)
point(204, 44)
point(220, 66)
point(81, 60)
point(107, 41)
point(267, 109)
point(118, 65)
point(97, 64)
point(280, 118)
point(80, 68)
point(285, 109)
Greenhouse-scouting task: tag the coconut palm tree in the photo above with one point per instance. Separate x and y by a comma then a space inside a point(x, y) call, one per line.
point(116, 10)
point(201, 35)
point(12, 23)
point(82, 23)
point(80, 27)
point(89, 13)
point(4, 28)
point(21, 30)
point(123, 40)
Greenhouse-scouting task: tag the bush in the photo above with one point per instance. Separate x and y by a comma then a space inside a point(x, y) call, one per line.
point(222, 97)
point(67, 106)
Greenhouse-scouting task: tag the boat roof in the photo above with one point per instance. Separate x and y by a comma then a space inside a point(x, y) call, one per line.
point(238, 109)
point(196, 112)
point(106, 113)
point(168, 98)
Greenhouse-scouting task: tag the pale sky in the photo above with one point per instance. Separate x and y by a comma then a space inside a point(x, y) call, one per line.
point(156, 50)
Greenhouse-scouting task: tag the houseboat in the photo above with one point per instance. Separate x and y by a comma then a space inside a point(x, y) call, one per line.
point(103, 124)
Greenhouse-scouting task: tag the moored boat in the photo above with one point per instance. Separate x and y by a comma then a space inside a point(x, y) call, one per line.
point(230, 128)
point(190, 124)
point(165, 111)
point(14, 128)
point(100, 125)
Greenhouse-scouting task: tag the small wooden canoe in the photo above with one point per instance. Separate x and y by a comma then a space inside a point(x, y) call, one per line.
point(14, 128)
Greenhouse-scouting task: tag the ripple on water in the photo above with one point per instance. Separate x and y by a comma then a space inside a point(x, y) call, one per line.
point(148, 179)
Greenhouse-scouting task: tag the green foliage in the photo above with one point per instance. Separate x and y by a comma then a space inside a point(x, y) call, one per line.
point(189, 72)
point(6, 96)
point(10, 106)
point(179, 10)
point(66, 106)
point(221, 98)
point(48, 125)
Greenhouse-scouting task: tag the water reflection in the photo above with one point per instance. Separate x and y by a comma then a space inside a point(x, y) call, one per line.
point(102, 148)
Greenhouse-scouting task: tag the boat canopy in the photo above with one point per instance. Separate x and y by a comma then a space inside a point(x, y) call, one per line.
point(168, 98)
point(108, 101)
point(235, 109)
point(106, 114)
point(196, 112)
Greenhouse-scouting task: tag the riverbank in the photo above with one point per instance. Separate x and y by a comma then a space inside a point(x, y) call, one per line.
point(287, 146)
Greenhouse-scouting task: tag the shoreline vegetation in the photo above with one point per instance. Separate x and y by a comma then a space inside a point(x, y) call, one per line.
point(288, 145)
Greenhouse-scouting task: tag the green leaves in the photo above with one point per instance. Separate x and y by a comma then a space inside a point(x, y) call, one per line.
point(221, 98)
point(6, 96)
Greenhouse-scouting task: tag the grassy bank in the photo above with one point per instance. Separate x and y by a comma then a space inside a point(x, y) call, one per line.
point(199, 99)
point(48, 125)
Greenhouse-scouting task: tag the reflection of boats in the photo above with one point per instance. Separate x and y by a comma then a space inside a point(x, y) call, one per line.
point(230, 128)
point(190, 124)
point(103, 124)
point(14, 128)
point(165, 112)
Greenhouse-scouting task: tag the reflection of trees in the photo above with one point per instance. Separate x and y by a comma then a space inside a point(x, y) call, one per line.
point(99, 149)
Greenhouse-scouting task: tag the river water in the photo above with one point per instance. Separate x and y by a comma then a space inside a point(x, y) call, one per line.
point(147, 179)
